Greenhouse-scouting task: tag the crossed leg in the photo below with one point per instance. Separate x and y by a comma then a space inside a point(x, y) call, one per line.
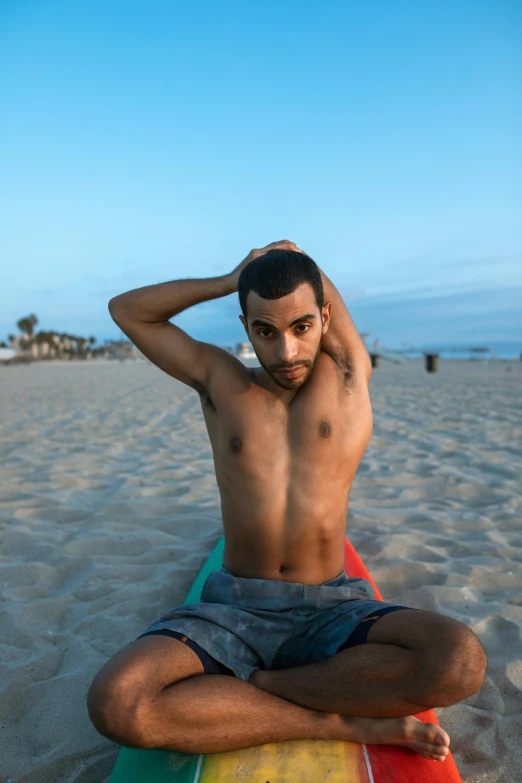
point(152, 695)
point(413, 660)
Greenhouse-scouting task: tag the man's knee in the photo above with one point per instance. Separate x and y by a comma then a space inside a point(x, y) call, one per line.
point(452, 668)
point(114, 711)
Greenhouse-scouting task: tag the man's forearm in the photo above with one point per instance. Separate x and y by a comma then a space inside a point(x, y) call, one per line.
point(339, 310)
point(331, 294)
point(342, 334)
point(160, 302)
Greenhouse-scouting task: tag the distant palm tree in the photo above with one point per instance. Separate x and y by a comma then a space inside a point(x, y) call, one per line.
point(92, 340)
point(27, 324)
point(80, 342)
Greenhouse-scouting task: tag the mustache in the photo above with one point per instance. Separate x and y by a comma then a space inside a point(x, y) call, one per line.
point(290, 367)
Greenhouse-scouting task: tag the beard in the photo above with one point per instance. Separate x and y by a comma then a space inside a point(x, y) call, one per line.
point(291, 384)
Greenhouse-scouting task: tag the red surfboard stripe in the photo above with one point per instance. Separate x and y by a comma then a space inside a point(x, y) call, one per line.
point(390, 763)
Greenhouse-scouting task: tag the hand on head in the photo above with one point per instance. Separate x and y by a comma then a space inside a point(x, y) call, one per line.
point(283, 244)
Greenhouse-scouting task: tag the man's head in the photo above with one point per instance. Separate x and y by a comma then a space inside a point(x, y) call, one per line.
point(284, 315)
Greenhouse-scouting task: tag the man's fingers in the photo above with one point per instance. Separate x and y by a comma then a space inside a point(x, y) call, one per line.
point(281, 243)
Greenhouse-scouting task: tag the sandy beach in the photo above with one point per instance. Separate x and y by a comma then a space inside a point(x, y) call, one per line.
point(109, 507)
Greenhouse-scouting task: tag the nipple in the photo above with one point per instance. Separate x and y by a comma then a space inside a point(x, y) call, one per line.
point(324, 429)
point(235, 444)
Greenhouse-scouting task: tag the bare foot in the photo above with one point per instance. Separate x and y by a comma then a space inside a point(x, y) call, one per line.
point(428, 739)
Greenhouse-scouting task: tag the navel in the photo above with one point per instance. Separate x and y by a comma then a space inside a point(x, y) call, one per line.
point(236, 444)
point(324, 429)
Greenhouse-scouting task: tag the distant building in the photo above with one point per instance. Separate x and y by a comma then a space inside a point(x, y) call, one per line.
point(6, 354)
point(245, 351)
point(51, 345)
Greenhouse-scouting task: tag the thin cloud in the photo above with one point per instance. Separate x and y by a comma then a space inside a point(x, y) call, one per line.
point(464, 263)
point(446, 289)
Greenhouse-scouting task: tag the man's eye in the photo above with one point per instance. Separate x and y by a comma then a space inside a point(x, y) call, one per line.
point(262, 332)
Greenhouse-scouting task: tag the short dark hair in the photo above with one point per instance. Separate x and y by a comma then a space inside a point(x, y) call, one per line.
point(276, 274)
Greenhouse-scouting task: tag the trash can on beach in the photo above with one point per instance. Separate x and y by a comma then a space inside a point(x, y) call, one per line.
point(432, 360)
point(375, 359)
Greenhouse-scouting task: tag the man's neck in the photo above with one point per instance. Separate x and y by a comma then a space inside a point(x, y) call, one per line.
point(265, 380)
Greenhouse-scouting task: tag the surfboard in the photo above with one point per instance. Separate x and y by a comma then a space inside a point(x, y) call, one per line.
point(296, 761)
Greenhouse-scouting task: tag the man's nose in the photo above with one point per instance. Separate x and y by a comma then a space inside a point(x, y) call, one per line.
point(287, 350)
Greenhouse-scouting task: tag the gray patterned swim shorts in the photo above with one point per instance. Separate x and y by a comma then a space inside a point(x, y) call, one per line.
point(247, 624)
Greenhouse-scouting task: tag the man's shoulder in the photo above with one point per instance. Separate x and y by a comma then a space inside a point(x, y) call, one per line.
point(225, 371)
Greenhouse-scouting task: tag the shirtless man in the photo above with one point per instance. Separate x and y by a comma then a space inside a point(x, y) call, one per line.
point(286, 448)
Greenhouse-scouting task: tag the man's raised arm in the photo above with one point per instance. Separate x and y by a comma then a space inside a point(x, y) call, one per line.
point(143, 315)
point(157, 303)
point(342, 340)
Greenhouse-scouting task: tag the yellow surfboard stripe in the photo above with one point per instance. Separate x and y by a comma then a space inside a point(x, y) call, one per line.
point(294, 761)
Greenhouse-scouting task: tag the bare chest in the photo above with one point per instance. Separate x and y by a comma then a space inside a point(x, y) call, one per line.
point(326, 424)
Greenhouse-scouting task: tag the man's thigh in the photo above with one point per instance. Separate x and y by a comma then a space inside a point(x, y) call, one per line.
point(417, 629)
point(451, 658)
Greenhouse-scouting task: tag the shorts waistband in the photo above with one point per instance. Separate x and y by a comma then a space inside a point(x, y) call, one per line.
point(279, 595)
point(339, 578)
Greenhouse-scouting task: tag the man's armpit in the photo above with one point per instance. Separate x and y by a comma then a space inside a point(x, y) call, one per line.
point(346, 366)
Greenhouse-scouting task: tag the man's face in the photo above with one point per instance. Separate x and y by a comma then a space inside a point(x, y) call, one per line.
point(286, 334)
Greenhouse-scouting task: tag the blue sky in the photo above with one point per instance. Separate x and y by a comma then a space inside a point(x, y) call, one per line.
point(147, 141)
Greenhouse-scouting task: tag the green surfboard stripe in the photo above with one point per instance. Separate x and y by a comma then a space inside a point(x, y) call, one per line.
point(165, 766)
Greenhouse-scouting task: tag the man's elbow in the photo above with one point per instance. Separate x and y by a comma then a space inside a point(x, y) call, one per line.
point(116, 308)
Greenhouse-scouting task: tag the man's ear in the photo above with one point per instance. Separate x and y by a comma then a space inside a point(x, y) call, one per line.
point(326, 316)
point(243, 321)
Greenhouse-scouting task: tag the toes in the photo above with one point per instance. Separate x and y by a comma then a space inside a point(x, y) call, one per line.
point(428, 750)
point(430, 732)
point(432, 757)
point(429, 746)
point(438, 736)
point(436, 757)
